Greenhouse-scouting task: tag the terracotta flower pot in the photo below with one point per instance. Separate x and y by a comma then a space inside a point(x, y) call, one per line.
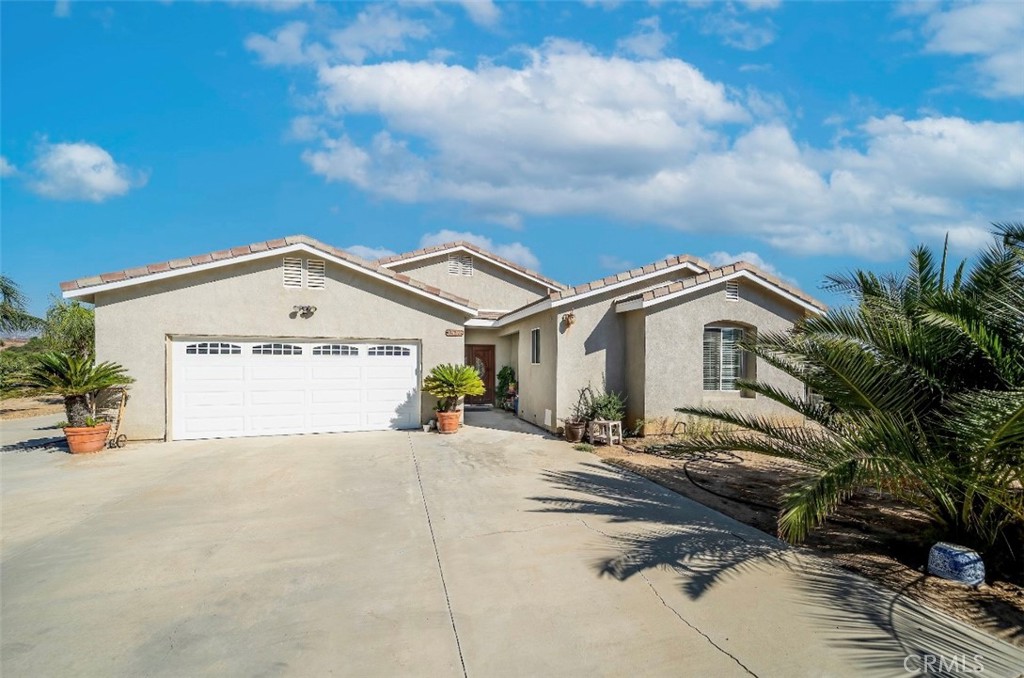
point(447, 422)
point(574, 431)
point(87, 438)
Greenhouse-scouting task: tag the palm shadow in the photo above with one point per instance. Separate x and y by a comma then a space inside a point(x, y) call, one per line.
point(875, 627)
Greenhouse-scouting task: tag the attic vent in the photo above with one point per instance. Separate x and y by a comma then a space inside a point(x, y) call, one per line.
point(292, 272)
point(732, 291)
point(316, 275)
point(460, 264)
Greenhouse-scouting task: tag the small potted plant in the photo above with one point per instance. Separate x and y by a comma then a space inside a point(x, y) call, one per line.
point(450, 384)
point(79, 380)
point(576, 423)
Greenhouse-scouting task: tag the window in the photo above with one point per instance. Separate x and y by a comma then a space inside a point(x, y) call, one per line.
point(308, 273)
point(276, 349)
point(335, 349)
point(535, 346)
point(213, 348)
point(388, 350)
point(732, 291)
point(724, 360)
point(460, 264)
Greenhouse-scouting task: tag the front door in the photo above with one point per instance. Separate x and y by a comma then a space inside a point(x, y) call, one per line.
point(481, 357)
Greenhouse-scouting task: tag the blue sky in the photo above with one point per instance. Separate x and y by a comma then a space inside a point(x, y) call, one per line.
point(579, 139)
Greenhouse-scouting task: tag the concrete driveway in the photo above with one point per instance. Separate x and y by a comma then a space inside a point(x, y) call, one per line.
point(488, 553)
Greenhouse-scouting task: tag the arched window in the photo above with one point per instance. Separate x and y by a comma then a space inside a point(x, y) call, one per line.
point(387, 350)
point(213, 348)
point(725, 362)
point(276, 349)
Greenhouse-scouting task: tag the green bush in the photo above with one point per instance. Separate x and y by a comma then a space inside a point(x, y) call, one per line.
point(450, 382)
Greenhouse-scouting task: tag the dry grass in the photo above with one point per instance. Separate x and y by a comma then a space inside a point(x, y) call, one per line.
point(21, 407)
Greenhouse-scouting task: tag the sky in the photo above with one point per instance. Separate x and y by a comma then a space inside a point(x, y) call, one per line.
point(577, 139)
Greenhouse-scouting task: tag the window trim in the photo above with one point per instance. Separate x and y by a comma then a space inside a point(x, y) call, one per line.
point(535, 356)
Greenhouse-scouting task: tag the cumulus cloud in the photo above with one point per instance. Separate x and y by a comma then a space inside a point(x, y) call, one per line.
point(6, 168)
point(988, 32)
point(612, 262)
point(370, 253)
point(482, 12)
point(647, 41)
point(964, 238)
point(722, 258)
point(515, 252)
point(570, 131)
point(377, 30)
point(81, 171)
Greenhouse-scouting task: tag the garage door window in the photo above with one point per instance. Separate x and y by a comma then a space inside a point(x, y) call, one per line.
point(335, 349)
point(276, 349)
point(212, 348)
point(388, 350)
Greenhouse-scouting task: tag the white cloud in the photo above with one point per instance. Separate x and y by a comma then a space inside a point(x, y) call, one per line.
point(737, 32)
point(990, 32)
point(721, 258)
point(966, 237)
point(612, 262)
point(62, 9)
point(81, 171)
point(6, 168)
point(273, 5)
point(653, 141)
point(647, 41)
point(482, 12)
point(370, 253)
point(376, 31)
point(515, 252)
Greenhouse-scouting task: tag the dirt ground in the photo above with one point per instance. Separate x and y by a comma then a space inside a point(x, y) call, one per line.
point(867, 536)
point(18, 408)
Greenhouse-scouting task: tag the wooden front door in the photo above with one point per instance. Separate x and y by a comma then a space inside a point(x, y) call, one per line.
point(481, 357)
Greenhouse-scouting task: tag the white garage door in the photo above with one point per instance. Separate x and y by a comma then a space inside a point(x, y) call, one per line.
point(226, 389)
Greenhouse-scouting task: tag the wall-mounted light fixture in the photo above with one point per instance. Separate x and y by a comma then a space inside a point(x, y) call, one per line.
point(303, 311)
point(569, 318)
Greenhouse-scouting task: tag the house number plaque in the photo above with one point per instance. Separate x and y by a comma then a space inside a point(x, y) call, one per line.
point(454, 333)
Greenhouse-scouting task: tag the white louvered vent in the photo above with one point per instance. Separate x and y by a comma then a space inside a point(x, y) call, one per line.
point(732, 291)
point(460, 264)
point(292, 272)
point(316, 274)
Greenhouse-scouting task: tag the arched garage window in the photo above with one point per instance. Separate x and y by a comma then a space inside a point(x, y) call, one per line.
point(387, 350)
point(725, 362)
point(276, 349)
point(213, 348)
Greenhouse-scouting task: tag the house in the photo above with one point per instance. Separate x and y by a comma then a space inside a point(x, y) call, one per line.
point(296, 336)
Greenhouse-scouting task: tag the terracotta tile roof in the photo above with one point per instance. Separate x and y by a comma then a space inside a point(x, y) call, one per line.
point(439, 249)
point(490, 315)
point(235, 252)
point(715, 273)
point(628, 275)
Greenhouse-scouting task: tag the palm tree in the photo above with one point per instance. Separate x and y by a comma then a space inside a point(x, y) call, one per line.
point(919, 391)
point(78, 379)
point(13, 316)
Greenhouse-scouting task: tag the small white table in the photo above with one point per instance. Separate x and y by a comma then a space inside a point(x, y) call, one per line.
point(606, 431)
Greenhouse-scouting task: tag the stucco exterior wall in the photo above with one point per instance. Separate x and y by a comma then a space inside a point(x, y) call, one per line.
point(673, 372)
point(537, 383)
point(636, 350)
point(593, 350)
point(489, 288)
point(249, 300)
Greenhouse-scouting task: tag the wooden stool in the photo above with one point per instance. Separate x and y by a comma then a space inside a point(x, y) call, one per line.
point(606, 431)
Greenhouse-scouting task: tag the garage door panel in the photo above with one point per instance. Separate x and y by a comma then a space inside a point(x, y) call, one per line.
point(252, 393)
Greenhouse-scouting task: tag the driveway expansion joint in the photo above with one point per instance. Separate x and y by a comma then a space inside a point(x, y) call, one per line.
point(437, 555)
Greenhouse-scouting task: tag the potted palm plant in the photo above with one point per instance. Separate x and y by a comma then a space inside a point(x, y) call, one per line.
point(450, 383)
point(79, 379)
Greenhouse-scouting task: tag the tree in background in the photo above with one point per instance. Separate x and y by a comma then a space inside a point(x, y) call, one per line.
point(70, 328)
point(918, 391)
point(13, 316)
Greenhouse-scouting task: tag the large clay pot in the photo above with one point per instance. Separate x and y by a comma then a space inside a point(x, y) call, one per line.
point(448, 422)
point(574, 431)
point(87, 438)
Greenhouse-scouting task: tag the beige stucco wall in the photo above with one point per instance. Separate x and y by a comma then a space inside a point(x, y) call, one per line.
point(593, 350)
point(249, 300)
point(537, 383)
point(674, 341)
point(490, 287)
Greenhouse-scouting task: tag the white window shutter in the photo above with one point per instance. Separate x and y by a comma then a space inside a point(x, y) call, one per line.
point(454, 264)
point(732, 291)
point(316, 274)
point(292, 272)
